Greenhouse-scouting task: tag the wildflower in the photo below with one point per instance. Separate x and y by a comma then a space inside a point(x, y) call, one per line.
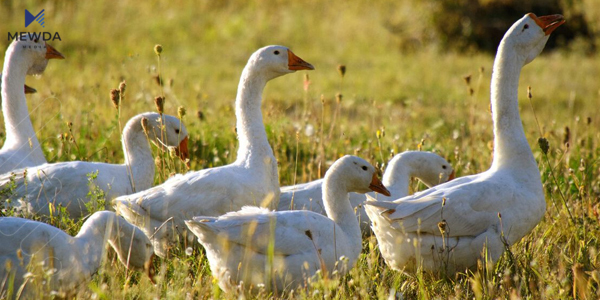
point(160, 104)
point(158, 49)
point(567, 136)
point(421, 144)
point(158, 80)
point(145, 125)
point(20, 254)
point(172, 152)
point(442, 226)
point(122, 87)
point(467, 79)
point(308, 234)
point(342, 70)
point(114, 97)
point(158, 162)
point(181, 112)
point(544, 145)
point(309, 130)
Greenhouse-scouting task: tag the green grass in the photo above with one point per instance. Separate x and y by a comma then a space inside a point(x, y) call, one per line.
point(413, 92)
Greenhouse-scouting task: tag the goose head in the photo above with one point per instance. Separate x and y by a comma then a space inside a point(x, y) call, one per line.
point(530, 34)
point(35, 53)
point(274, 61)
point(433, 169)
point(173, 136)
point(134, 248)
point(357, 175)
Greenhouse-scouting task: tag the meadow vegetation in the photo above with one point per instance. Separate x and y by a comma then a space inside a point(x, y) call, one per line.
point(401, 91)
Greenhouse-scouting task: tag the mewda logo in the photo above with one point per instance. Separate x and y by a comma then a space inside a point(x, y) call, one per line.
point(29, 17)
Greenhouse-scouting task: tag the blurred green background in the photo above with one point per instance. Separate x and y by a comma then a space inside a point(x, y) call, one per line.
point(406, 63)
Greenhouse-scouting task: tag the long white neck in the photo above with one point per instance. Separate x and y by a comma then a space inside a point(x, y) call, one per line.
point(106, 227)
point(19, 130)
point(92, 238)
point(252, 137)
point(336, 201)
point(511, 149)
point(397, 176)
point(138, 155)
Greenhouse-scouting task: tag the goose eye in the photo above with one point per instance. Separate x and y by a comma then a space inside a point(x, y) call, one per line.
point(444, 167)
point(364, 168)
point(526, 26)
point(177, 131)
point(276, 52)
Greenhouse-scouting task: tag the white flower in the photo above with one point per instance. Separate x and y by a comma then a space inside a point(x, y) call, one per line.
point(309, 130)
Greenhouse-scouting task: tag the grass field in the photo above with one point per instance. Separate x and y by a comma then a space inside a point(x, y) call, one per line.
point(397, 83)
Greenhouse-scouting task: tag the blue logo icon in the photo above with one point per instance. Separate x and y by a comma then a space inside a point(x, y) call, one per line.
point(29, 18)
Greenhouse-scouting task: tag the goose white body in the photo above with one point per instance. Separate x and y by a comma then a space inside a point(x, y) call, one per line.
point(67, 184)
point(237, 243)
point(251, 180)
point(21, 147)
point(486, 210)
point(34, 248)
point(429, 167)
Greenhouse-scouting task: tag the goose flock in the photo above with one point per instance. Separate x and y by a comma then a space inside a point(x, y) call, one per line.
point(255, 233)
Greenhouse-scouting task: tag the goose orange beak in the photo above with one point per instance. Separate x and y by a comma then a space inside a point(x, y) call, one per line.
point(548, 23)
point(296, 63)
point(150, 270)
point(378, 187)
point(183, 152)
point(452, 176)
point(53, 53)
point(30, 90)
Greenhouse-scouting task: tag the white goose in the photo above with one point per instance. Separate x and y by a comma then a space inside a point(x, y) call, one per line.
point(237, 243)
point(30, 249)
point(251, 180)
point(21, 147)
point(429, 167)
point(67, 183)
point(467, 209)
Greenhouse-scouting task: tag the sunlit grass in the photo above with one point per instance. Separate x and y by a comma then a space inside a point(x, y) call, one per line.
point(419, 98)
